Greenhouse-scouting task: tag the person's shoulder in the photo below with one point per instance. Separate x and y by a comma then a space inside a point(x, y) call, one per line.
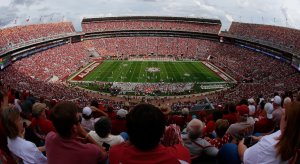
point(180, 152)
point(51, 135)
point(116, 149)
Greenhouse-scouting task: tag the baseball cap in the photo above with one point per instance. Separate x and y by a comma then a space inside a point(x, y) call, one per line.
point(269, 110)
point(87, 111)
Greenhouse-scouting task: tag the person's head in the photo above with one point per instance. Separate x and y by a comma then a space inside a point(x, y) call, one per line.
point(289, 139)
point(286, 101)
point(185, 111)
point(87, 113)
point(269, 110)
point(221, 127)
point(277, 101)
point(95, 103)
point(195, 129)
point(103, 127)
point(122, 113)
point(243, 112)
point(251, 101)
point(231, 108)
point(64, 116)
point(165, 109)
point(145, 126)
point(12, 121)
point(38, 110)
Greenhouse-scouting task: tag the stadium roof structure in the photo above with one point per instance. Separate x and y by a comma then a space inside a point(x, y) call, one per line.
point(161, 18)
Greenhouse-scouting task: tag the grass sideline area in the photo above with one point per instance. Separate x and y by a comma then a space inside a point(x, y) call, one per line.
point(152, 72)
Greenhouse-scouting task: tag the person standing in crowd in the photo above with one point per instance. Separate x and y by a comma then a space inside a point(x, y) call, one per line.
point(146, 126)
point(192, 140)
point(278, 111)
point(40, 125)
point(282, 146)
point(244, 127)
point(62, 147)
point(102, 133)
point(25, 151)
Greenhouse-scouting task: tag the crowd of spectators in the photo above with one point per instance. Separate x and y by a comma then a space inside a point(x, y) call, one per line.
point(201, 137)
point(123, 47)
point(282, 36)
point(21, 34)
point(254, 75)
point(57, 62)
point(100, 26)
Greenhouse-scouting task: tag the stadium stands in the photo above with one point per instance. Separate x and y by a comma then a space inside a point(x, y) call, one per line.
point(12, 37)
point(279, 36)
point(149, 23)
point(42, 76)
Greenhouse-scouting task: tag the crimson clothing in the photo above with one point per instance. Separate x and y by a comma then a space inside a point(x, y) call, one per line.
point(118, 126)
point(112, 115)
point(180, 120)
point(44, 125)
point(219, 142)
point(128, 153)
point(264, 125)
point(232, 118)
point(69, 151)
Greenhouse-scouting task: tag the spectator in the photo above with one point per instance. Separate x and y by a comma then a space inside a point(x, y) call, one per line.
point(119, 124)
point(172, 136)
point(40, 125)
point(62, 147)
point(102, 134)
point(278, 111)
point(222, 138)
point(282, 146)
point(251, 107)
point(26, 151)
point(265, 124)
point(192, 140)
point(88, 121)
point(232, 116)
point(146, 125)
point(244, 127)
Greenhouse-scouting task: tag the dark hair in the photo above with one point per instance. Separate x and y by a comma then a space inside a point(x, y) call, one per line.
point(146, 125)
point(217, 115)
point(64, 116)
point(95, 103)
point(243, 102)
point(231, 107)
point(9, 115)
point(103, 127)
point(221, 127)
point(87, 117)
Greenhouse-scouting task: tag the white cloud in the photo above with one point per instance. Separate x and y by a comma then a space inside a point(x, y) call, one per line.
point(256, 11)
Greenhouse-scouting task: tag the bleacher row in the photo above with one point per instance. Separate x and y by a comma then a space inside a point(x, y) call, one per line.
point(125, 46)
point(100, 26)
point(20, 34)
point(282, 36)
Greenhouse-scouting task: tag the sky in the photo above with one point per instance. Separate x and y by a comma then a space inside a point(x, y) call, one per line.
point(275, 12)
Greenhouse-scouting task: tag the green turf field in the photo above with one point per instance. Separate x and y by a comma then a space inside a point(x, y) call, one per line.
point(138, 71)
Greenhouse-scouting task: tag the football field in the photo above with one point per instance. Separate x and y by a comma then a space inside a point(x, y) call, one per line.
point(152, 72)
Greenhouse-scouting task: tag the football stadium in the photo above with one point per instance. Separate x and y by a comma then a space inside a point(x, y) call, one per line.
point(165, 89)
